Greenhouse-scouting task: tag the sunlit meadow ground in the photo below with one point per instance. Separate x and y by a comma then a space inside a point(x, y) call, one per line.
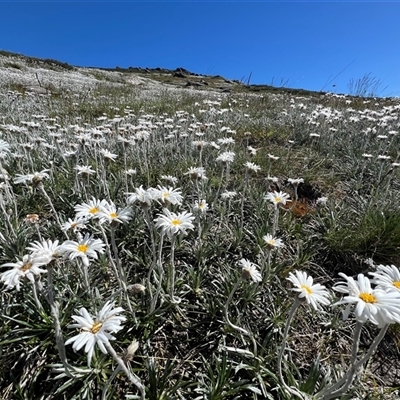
point(134, 131)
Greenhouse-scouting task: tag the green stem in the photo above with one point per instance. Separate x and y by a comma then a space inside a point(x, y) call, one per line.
point(172, 275)
point(345, 382)
point(282, 349)
point(238, 328)
point(57, 326)
point(160, 275)
point(121, 365)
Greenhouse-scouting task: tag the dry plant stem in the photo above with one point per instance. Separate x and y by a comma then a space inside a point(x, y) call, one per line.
point(57, 326)
point(292, 312)
point(348, 377)
point(131, 376)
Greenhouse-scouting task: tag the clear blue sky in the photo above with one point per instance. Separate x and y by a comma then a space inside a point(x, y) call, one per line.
point(310, 45)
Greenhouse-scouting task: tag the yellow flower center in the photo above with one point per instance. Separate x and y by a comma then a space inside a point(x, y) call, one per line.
point(94, 210)
point(113, 215)
point(306, 288)
point(396, 284)
point(26, 267)
point(83, 248)
point(175, 222)
point(278, 199)
point(164, 195)
point(367, 297)
point(96, 327)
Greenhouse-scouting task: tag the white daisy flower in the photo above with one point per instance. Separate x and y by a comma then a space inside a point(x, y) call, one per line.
point(250, 271)
point(271, 242)
point(28, 267)
point(84, 170)
point(199, 144)
point(272, 179)
point(167, 196)
point(387, 277)
point(110, 213)
point(108, 155)
point(252, 167)
point(74, 224)
point(130, 172)
point(90, 209)
point(252, 151)
point(314, 294)
point(228, 140)
point(35, 179)
point(172, 223)
point(295, 182)
point(85, 248)
point(170, 178)
point(141, 195)
point(200, 206)
point(196, 173)
point(47, 249)
point(376, 305)
point(277, 198)
point(4, 146)
point(228, 194)
point(226, 157)
point(96, 330)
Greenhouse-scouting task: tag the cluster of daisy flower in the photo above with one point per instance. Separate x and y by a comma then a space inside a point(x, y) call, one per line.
point(379, 304)
point(123, 147)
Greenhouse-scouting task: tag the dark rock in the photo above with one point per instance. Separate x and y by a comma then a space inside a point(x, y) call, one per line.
point(190, 83)
point(179, 75)
point(183, 71)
